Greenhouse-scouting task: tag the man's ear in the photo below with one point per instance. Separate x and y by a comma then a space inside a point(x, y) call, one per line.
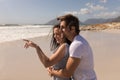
point(72, 27)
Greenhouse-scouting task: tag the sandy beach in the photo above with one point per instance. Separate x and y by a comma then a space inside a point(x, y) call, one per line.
point(106, 51)
point(17, 63)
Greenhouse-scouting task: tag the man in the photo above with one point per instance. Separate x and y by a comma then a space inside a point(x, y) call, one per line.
point(80, 62)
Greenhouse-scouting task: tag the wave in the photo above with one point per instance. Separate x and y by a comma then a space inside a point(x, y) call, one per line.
point(25, 31)
point(19, 25)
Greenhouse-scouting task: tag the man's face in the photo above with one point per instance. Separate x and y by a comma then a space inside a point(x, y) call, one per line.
point(64, 29)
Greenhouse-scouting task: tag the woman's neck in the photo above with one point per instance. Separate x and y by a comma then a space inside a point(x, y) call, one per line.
point(61, 43)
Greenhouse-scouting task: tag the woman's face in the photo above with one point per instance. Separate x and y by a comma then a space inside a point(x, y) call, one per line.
point(57, 35)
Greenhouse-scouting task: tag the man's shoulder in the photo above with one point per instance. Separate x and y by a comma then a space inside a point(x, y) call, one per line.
point(76, 42)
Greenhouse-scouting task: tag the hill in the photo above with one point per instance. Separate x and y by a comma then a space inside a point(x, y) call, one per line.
point(55, 21)
point(52, 22)
point(101, 20)
point(89, 21)
point(103, 26)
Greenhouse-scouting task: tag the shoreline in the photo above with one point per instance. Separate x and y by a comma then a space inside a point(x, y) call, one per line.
point(25, 38)
point(116, 31)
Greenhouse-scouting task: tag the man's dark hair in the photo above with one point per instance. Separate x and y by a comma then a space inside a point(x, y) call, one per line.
point(70, 21)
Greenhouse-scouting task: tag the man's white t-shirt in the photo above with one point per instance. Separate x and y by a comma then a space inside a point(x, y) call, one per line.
point(80, 48)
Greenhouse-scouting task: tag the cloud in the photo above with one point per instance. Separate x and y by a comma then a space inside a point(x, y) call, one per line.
point(71, 12)
point(95, 7)
point(107, 14)
point(84, 11)
point(103, 1)
point(90, 8)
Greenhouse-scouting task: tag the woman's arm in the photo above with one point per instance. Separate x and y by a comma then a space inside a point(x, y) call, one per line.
point(57, 56)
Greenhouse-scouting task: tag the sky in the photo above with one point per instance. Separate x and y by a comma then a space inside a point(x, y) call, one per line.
point(42, 11)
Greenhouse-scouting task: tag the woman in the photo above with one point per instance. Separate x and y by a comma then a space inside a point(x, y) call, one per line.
point(59, 58)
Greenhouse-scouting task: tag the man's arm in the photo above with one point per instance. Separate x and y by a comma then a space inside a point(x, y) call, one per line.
point(68, 71)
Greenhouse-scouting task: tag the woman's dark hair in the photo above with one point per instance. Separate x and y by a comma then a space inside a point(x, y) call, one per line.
point(53, 43)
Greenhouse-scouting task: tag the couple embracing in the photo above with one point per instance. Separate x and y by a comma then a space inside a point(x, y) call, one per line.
point(72, 58)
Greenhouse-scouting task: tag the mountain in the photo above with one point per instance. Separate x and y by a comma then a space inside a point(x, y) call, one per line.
point(98, 20)
point(117, 19)
point(52, 22)
point(89, 21)
point(55, 21)
point(94, 21)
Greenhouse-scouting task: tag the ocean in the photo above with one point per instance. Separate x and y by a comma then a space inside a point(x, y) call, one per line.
point(15, 32)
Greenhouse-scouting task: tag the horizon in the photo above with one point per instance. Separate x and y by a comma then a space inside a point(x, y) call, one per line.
point(42, 11)
point(17, 24)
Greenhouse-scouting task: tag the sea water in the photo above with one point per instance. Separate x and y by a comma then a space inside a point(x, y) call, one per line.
point(15, 32)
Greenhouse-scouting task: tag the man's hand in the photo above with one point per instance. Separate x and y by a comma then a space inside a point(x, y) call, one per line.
point(49, 69)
